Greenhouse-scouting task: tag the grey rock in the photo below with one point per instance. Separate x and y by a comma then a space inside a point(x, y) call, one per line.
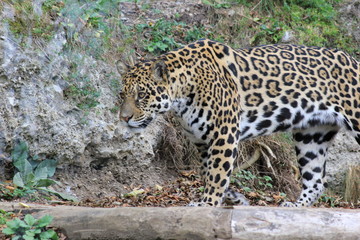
point(344, 153)
point(288, 37)
point(349, 14)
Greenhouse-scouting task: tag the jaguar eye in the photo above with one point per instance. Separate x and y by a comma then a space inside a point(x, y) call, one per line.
point(141, 95)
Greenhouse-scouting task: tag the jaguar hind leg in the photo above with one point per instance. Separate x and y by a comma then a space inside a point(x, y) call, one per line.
point(311, 147)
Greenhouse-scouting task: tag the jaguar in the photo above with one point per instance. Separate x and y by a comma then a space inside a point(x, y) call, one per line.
point(222, 96)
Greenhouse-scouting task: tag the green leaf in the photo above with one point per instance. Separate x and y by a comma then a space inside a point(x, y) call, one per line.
point(24, 166)
point(41, 173)
point(30, 220)
point(27, 237)
point(20, 153)
point(45, 182)
point(14, 224)
point(8, 231)
point(50, 166)
point(29, 180)
point(18, 181)
point(150, 49)
point(44, 221)
point(64, 196)
point(247, 189)
point(49, 234)
point(267, 178)
point(31, 233)
point(24, 225)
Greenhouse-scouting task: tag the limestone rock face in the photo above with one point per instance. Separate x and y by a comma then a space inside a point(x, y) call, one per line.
point(344, 153)
point(350, 16)
point(35, 108)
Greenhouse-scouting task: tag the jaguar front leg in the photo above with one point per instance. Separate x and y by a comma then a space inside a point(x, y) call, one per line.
point(219, 166)
point(204, 157)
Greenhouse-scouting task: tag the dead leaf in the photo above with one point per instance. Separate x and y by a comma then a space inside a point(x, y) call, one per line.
point(24, 205)
point(134, 193)
point(253, 194)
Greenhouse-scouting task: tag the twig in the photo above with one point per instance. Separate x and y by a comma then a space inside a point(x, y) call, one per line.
point(268, 162)
point(268, 149)
point(251, 161)
point(256, 6)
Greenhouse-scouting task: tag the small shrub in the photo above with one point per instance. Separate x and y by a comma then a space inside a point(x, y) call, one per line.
point(30, 172)
point(164, 35)
point(32, 175)
point(4, 216)
point(160, 35)
point(246, 178)
point(30, 228)
point(330, 200)
point(269, 34)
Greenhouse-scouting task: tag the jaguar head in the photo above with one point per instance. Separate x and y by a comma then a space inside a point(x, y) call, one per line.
point(145, 92)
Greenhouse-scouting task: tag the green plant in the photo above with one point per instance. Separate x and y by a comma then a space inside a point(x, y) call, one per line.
point(163, 45)
point(164, 35)
point(30, 228)
point(332, 201)
point(216, 4)
point(246, 178)
point(86, 93)
point(26, 23)
point(269, 34)
point(99, 25)
point(80, 88)
point(265, 182)
point(160, 35)
point(196, 33)
point(4, 216)
point(312, 21)
point(14, 193)
point(53, 7)
point(33, 174)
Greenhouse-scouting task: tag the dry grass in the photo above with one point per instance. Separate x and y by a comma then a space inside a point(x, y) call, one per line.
point(272, 156)
point(276, 156)
point(175, 148)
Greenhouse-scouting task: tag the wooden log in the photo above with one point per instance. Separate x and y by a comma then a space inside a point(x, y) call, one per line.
point(200, 223)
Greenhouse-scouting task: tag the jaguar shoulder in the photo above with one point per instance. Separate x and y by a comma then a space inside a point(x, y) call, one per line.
point(224, 96)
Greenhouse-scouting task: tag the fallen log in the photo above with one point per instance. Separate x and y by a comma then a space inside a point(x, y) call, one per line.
point(199, 223)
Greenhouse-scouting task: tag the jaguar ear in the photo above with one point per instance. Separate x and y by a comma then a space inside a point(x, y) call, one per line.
point(122, 67)
point(160, 71)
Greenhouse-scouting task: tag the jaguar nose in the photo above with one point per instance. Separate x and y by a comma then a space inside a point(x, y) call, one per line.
point(125, 118)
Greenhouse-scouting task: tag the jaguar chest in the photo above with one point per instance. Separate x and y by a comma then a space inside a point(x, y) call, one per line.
point(195, 120)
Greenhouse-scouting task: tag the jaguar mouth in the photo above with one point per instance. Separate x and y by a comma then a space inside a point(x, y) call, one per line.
point(142, 124)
